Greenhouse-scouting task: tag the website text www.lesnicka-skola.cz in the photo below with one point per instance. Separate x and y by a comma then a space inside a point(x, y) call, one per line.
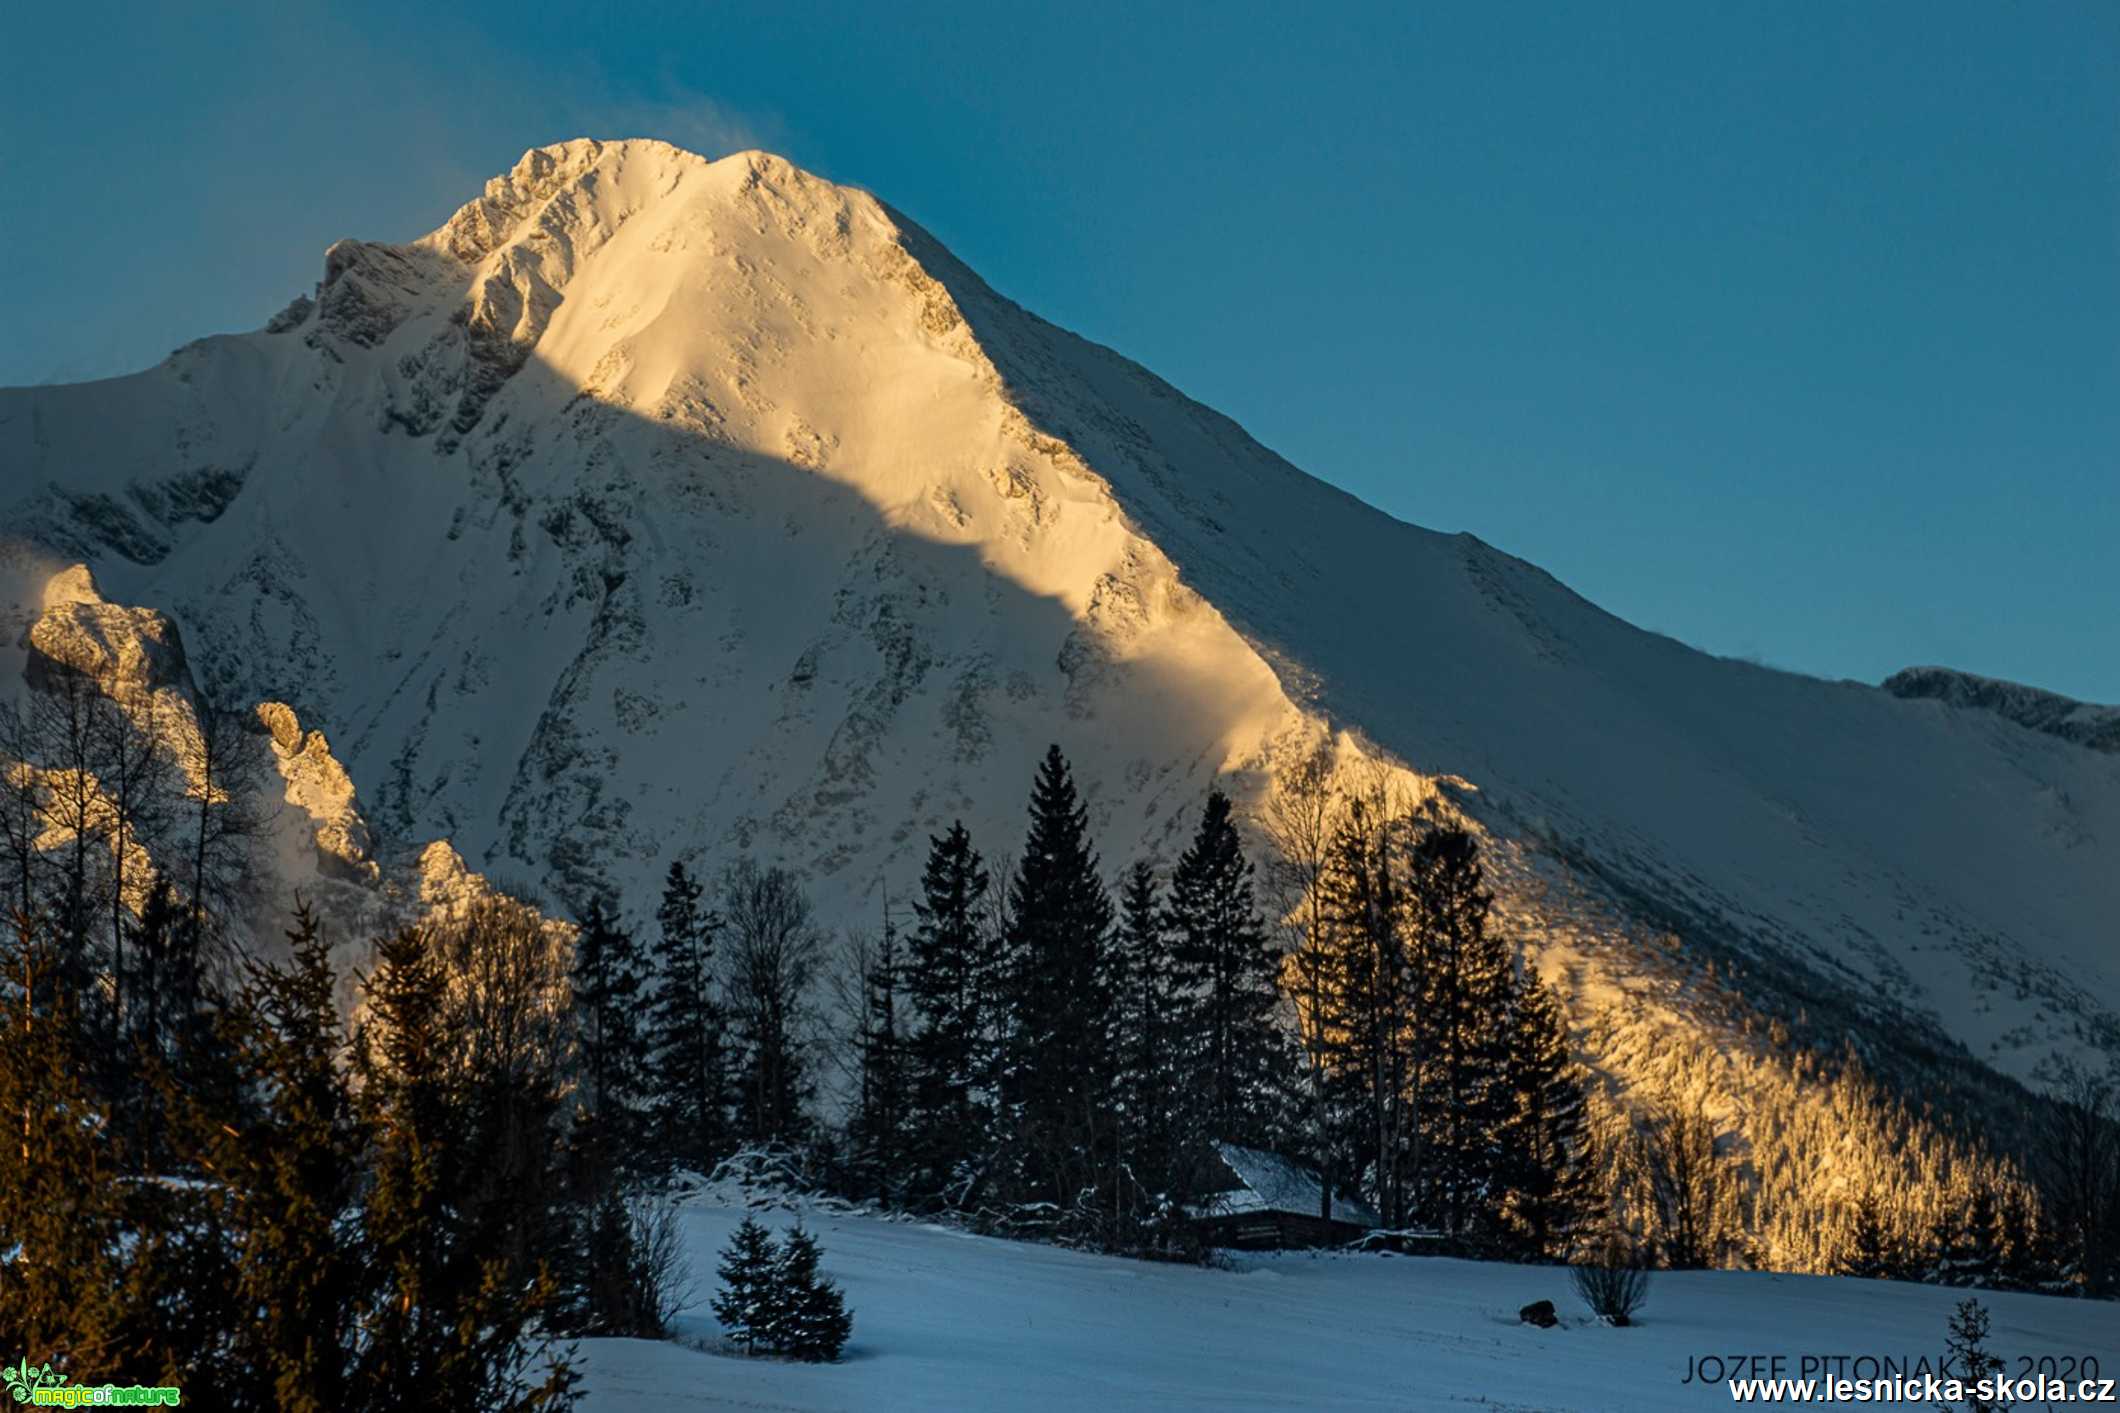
point(1998, 1390)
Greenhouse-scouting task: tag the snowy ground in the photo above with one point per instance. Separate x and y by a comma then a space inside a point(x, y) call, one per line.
point(943, 1320)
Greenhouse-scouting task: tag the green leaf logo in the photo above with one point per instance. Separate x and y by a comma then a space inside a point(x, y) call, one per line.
point(24, 1380)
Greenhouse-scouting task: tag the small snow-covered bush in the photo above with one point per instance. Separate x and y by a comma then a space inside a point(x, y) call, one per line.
point(775, 1300)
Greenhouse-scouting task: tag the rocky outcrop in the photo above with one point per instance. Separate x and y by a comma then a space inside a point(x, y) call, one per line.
point(2097, 727)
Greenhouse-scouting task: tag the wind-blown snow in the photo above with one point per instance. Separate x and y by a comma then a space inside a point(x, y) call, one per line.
point(661, 507)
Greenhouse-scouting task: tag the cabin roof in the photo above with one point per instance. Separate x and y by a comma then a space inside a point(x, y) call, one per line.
point(1267, 1182)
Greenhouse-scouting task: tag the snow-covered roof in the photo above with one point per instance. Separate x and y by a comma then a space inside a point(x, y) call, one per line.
point(1269, 1182)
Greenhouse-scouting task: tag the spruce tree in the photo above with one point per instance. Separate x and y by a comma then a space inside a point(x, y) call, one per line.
point(1872, 1248)
point(1370, 992)
point(1971, 1362)
point(1055, 1072)
point(619, 1296)
point(1230, 970)
point(1464, 1001)
point(951, 982)
point(688, 1063)
point(61, 1208)
point(747, 1303)
point(145, 1045)
point(1969, 1251)
point(1544, 1169)
point(446, 1317)
point(1157, 1117)
point(608, 979)
point(883, 1107)
point(809, 1319)
point(287, 1173)
point(101, 1270)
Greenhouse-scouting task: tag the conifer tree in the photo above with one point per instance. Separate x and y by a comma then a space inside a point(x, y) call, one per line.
point(286, 1172)
point(446, 1317)
point(2024, 1260)
point(61, 1213)
point(24, 808)
point(883, 1107)
point(1230, 970)
point(1544, 1171)
point(688, 1063)
point(747, 1303)
point(1464, 999)
point(619, 1296)
point(1156, 1119)
point(1968, 1240)
point(1971, 1362)
point(146, 1043)
point(1056, 1072)
point(809, 1319)
point(1873, 1248)
point(1370, 991)
point(951, 982)
point(608, 979)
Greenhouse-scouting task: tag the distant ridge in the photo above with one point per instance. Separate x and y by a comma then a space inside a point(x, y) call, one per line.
point(2085, 723)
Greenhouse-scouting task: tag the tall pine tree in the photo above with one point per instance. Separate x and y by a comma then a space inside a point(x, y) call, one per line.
point(612, 1051)
point(1464, 1009)
point(61, 1213)
point(285, 1173)
point(1055, 1071)
point(882, 1107)
point(951, 980)
point(688, 1066)
point(446, 1320)
point(1370, 992)
point(1544, 1168)
point(1230, 970)
point(1158, 1128)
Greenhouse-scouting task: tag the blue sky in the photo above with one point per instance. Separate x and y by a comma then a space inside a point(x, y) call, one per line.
point(1790, 329)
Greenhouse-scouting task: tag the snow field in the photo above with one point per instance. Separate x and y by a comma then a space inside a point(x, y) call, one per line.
point(944, 1320)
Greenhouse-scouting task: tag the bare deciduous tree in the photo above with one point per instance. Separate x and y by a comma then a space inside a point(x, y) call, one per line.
point(508, 979)
point(223, 767)
point(769, 966)
point(1612, 1280)
point(2079, 1174)
point(1693, 1188)
point(138, 780)
point(1298, 820)
point(23, 805)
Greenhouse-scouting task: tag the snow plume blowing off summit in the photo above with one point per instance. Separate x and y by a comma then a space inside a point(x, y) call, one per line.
point(662, 508)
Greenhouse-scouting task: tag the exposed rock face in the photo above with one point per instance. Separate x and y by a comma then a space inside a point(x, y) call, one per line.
point(316, 846)
point(2097, 727)
point(316, 783)
point(126, 651)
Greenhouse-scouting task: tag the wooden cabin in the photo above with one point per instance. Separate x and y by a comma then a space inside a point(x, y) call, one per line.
point(1260, 1201)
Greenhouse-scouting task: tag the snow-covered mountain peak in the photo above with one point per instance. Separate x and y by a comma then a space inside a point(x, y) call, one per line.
point(657, 508)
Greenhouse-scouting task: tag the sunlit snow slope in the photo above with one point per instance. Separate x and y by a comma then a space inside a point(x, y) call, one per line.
point(656, 506)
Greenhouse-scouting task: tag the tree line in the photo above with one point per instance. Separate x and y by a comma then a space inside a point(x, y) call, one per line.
point(1040, 1053)
point(222, 1181)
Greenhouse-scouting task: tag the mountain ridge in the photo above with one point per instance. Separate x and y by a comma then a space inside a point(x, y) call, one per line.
point(654, 507)
point(2035, 708)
